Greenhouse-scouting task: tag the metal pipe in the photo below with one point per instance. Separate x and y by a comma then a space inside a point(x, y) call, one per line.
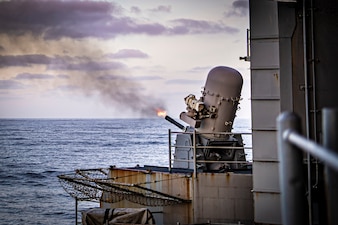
point(328, 156)
point(169, 136)
point(313, 72)
point(194, 145)
point(306, 85)
point(314, 99)
point(330, 141)
point(76, 202)
point(291, 173)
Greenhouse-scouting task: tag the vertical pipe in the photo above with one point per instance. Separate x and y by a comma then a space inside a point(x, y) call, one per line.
point(313, 71)
point(194, 145)
point(306, 84)
point(330, 141)
point(169, 135)
point(314, 88)
point(248, 44)
point(76, 211)
point(290, 172)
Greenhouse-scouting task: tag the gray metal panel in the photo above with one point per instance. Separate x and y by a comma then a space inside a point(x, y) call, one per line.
point(265, 143)
point(265, 84)
point(263, 19)
point(266, 176)
point(267, 208)
point(264, 114)
point(265, 54)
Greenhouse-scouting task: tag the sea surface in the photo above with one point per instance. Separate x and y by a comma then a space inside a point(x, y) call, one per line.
point(33, 152)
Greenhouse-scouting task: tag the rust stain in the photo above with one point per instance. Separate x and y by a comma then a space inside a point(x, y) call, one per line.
point(227, 178)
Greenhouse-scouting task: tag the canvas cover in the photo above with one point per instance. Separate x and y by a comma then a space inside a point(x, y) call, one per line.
point(101, 216)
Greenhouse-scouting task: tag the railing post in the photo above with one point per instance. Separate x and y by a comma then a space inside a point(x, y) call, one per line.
point(169, 136)
point(291, 176)
point(330, 141)
point(195, 152)
point(76, 210)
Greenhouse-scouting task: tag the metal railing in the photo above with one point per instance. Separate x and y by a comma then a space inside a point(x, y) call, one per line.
point(291, 146)
point(194, 146)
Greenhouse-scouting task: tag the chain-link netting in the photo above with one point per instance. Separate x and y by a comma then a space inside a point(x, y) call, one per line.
point(94, 184)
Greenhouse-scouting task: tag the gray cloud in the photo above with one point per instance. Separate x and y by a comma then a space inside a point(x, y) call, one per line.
point(31, 76)
point(183, 81)
point(23, 60)
point(63, 76)
point(83, 19)
point(135, 9)
point(148, 78)
point(162, 8)
point(199, 69)
point(128, 53)
point(67, 87)
point(87, 66)
point(110, 77)
point(239, 8)
point(58, 62)
point(188, 26)
point(10, 84)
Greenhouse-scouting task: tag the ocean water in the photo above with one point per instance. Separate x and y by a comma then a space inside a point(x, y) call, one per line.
point(33, 152)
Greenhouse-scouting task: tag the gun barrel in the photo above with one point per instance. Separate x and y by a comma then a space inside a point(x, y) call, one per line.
point(177, 124)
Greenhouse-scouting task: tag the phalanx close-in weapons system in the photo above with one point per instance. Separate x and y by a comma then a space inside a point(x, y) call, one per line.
point(211, 117)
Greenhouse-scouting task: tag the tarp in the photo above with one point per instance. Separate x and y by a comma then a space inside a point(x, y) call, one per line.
point(101, 216)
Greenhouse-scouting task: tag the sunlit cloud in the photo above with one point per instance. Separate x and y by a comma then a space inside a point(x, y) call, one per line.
point(128, 53)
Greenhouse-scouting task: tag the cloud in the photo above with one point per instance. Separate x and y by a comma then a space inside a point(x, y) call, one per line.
point(189, 26)
point(200, 69)
point(30, 76)
point(183, 81)
point(63, 76)
point(23, 60)
point(128, 53)
point(10, 84)
point(58, 62)
point(239, 8)
point(148, 78)
point(88, 65)
point(75, 19)
point(55, 19)
point(67, 87)
point(135, 9)
point(110, 77)
point(162, 8)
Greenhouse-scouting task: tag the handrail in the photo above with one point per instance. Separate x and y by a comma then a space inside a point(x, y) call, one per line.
point(326, 155)
point(291, 146)
point(195, 147)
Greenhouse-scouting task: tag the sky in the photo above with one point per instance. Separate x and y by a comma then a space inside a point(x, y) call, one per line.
point(116, 59)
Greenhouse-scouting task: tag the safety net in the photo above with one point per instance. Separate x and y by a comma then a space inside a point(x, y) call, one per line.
point(94, 184)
